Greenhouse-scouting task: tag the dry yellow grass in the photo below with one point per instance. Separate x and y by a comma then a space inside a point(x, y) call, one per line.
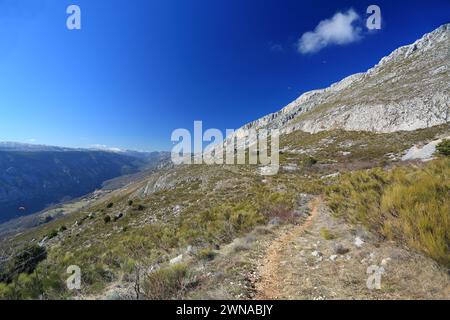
point(410, 205)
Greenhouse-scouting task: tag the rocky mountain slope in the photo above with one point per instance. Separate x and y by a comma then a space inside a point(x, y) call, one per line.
point(407, 90)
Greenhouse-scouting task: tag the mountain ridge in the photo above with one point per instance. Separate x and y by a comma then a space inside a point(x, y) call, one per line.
point(433, 109)
point(30, 147)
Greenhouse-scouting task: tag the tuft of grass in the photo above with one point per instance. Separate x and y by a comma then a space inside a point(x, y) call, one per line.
point(327, 234)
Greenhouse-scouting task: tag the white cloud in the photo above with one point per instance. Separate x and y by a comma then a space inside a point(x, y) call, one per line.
point(338, 30)
point(103, 147)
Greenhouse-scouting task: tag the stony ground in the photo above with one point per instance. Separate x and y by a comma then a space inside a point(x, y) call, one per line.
point(319, 258)
point(302, 264)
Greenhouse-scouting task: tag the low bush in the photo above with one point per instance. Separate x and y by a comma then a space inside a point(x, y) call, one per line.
point(25, 261)
point(444, 147)
point(207, 254)
point(309, 162)
point(53, 233)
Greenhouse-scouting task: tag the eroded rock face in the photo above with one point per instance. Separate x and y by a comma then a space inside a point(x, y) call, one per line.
point(407, 90)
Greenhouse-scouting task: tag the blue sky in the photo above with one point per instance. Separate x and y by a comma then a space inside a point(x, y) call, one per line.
point(139, 69)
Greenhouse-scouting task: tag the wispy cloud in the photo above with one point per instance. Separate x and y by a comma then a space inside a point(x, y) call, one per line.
point(275, 47)
point(338, 30)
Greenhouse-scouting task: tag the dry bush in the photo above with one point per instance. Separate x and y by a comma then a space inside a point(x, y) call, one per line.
point(167, 283)
point(284, 213)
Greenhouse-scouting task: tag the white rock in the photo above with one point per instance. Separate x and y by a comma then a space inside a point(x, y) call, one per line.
point(422, 153)
point(358, 242)
point(384, 262)
point(176, 259)
point(333, 175)
point(290, 167)
point(268, 170)
point(316, 253)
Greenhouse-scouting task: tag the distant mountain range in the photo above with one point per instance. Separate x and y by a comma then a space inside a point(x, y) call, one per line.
point(33, 177)
point(18, 146)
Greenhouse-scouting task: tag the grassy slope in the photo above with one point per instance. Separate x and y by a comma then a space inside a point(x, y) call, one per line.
point(410, 205)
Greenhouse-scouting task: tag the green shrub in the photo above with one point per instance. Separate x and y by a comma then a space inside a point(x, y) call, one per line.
point(444, 147)
point(25, 261)
point(7, 291)
point(41, 284)
point(109, 205)
point(130, 202)
point(52, 234)
point(309, 162)
point(207, 254)
point(107, 219)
